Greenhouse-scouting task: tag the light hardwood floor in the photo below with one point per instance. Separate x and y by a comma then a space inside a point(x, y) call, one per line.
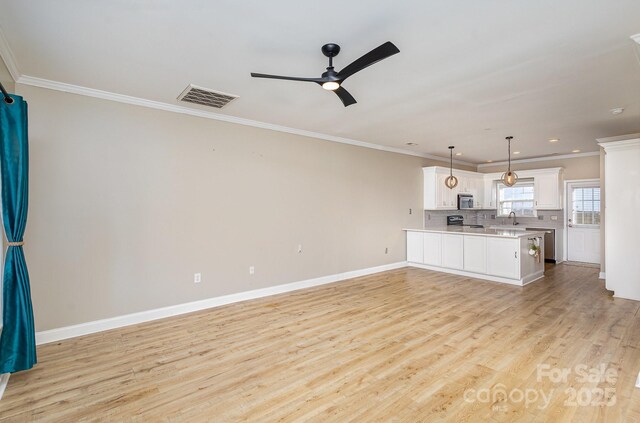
point(404, 345)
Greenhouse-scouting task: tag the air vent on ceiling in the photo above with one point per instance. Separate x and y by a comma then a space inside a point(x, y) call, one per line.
point(206, 97)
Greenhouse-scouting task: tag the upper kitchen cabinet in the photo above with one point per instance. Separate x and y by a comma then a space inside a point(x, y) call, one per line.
point(490, 195)
point(438, 197)
point(547, 189)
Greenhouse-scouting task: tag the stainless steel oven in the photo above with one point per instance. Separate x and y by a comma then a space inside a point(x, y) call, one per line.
point(465, 201)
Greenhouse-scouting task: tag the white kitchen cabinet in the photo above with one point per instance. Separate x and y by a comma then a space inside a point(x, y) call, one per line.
point(432, 249)
point(496, 257)
point(477, 191)
point(464, 184)
point(489, 187)
point(447, 198)
point(436, 194)
point(503, 257)
point(453, 251)
point(415, 247)
point(475, 254)
point(546, 189)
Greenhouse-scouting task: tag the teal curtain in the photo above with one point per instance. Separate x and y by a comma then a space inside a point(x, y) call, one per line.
point(17, 342)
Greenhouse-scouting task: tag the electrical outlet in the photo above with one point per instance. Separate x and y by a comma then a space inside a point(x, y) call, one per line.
point(197, 277)
point(410, 211)
point(554, 217)
point(540, 217)
point(386, 250)
point(252, 270)
point(299, 248)
point(428, 216)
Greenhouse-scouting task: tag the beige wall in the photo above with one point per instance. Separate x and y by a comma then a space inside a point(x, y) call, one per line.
point(574, 168)
point(5, 78)
point(127, 203)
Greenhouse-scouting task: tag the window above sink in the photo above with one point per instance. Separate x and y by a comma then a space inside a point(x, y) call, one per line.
point(518, 198)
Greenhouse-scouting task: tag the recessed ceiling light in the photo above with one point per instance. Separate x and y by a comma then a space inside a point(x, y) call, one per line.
point(412, 144)
point(575, 151)
point(516, 152)
point(617, 110)
point(554, 140)
point(458, 154)
point(489, 161)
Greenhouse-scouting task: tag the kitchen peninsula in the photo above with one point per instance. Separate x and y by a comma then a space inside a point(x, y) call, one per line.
point(497, 255)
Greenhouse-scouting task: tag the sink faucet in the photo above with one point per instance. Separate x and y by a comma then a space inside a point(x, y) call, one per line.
point(514, 217)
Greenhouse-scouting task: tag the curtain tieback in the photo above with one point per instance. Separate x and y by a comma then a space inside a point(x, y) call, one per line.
point(15, 244)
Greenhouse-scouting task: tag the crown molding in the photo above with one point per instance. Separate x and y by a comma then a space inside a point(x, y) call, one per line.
point(625, 144)
point(541, 159)
point(121, 98)
point(7, 56)
point(603, 141)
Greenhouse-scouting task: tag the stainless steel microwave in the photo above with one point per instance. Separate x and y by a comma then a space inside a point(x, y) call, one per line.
point(465, 201)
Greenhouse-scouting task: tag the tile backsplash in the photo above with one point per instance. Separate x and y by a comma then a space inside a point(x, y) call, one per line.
point(438, 218)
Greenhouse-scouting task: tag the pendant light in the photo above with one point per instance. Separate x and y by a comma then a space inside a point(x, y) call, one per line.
point(509, 178)
point(451, 182)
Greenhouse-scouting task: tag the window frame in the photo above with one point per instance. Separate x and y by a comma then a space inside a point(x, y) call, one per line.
point(528, 181)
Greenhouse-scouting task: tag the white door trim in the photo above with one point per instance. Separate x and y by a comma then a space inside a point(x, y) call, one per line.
point(567, 203)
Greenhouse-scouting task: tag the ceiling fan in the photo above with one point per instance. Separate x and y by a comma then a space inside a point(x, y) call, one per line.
point(332, 80)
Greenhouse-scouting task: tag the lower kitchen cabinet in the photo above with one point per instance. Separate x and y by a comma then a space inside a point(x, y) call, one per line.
point(452, 251)
point(415, 247)
point(475, 254)
point(432, 249)
point(498, 258)
point(503, 257)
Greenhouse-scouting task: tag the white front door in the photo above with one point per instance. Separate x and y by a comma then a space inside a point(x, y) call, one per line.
point(583, 225)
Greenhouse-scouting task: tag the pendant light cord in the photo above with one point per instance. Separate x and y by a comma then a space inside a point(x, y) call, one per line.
point(450, 161)
point(509, 148)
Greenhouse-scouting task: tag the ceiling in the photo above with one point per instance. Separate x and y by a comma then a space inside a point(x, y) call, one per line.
point(469, 73)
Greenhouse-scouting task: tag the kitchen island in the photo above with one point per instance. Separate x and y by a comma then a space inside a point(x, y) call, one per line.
point(498, 255)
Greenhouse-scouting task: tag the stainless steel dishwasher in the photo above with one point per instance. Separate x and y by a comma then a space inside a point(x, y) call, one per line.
point(549, 243)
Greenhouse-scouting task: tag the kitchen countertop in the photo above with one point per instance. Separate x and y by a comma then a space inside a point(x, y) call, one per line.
point(466, 230)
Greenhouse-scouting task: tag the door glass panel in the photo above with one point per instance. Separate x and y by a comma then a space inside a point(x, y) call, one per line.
point(585, 203)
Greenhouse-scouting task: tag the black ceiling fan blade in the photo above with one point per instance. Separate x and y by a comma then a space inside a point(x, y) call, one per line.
point(288, 78)
point(379, 53)
point(347, 99)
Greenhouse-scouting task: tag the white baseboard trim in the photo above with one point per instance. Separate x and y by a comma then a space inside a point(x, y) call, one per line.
point(4, 380)
point(59, 334)
point(521, 282)
point(602, 275)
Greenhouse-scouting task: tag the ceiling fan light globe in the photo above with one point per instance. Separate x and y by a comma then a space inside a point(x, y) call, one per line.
point(451, 182)
point(509, 178)
point(331, 86)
